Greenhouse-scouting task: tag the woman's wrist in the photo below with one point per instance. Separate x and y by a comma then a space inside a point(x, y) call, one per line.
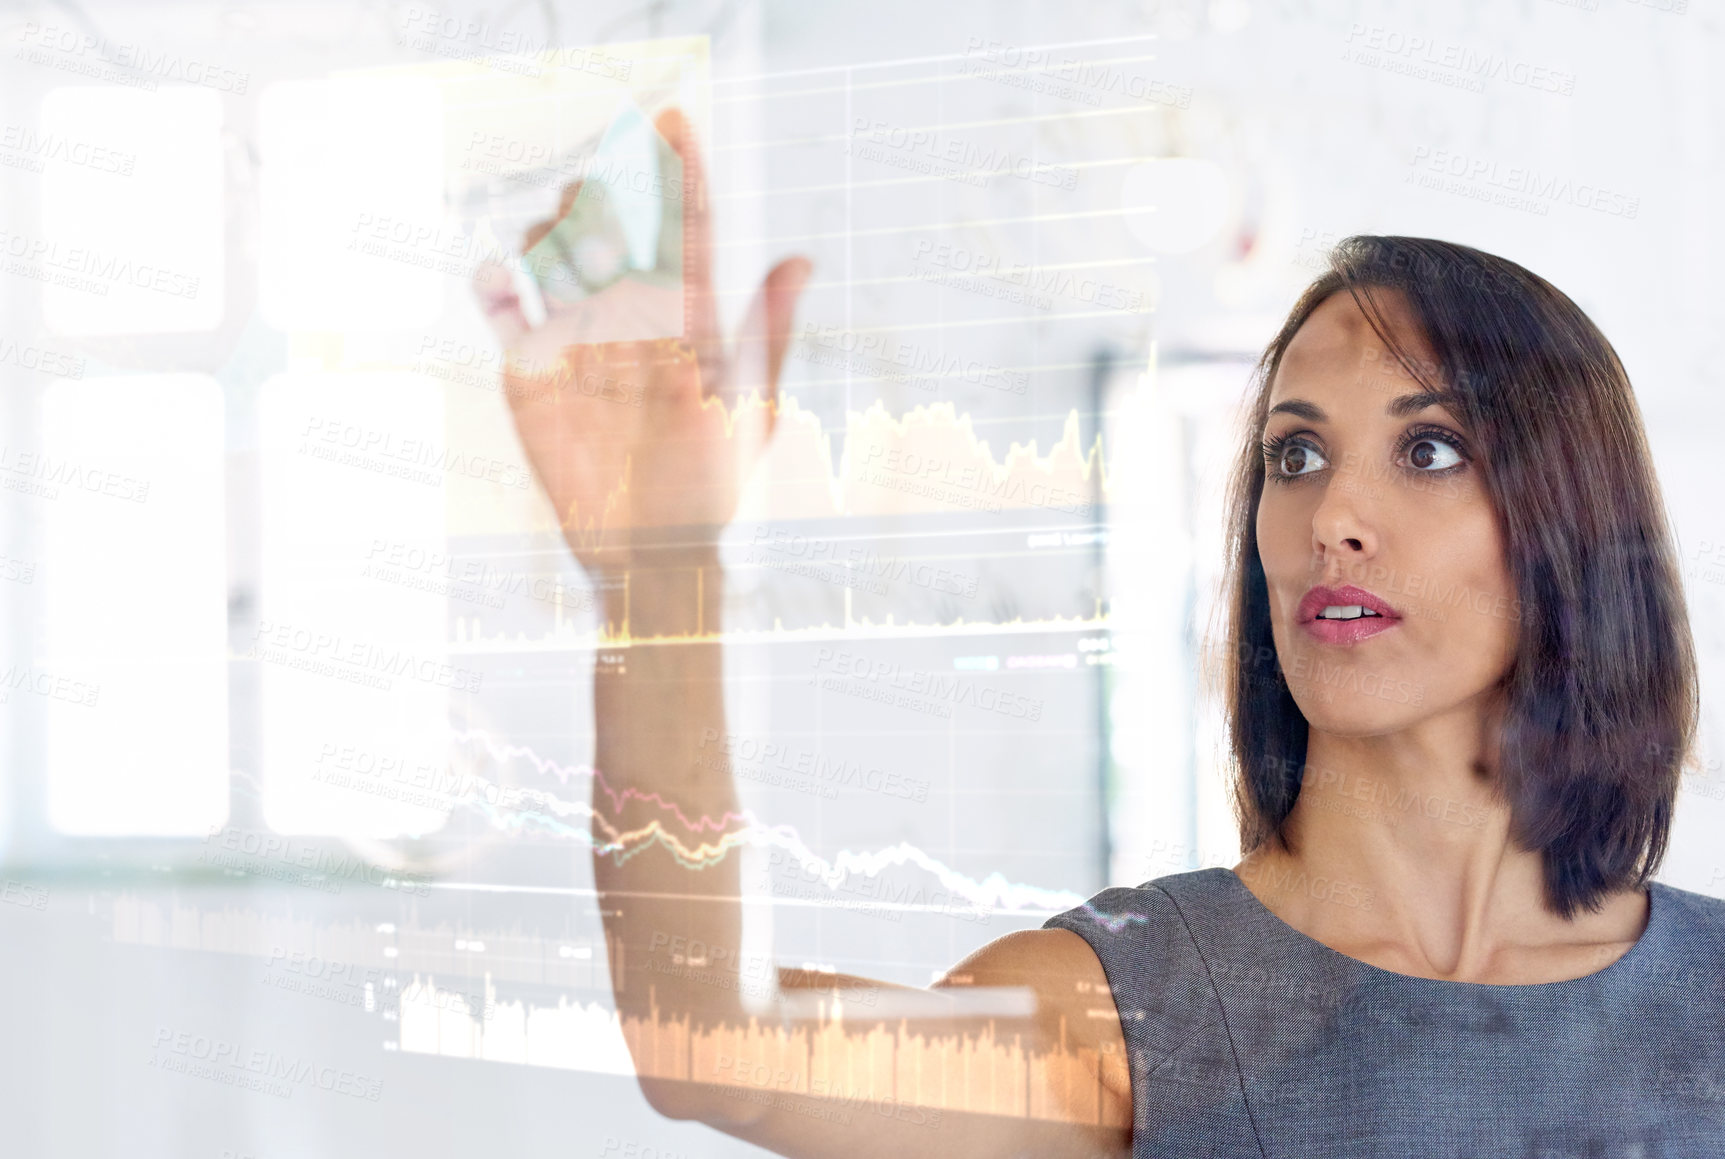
point(672, 591)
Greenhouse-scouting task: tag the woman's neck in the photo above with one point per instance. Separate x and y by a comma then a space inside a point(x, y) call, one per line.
point(1402, 857)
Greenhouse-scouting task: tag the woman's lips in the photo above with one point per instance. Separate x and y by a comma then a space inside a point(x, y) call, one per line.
point(1345, 631)
point(1348, 631)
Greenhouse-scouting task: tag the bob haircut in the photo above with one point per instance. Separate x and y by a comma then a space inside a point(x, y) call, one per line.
point(1601, 698)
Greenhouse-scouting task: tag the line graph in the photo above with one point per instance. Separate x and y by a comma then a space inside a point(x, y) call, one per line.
point(471, 637)
point(930, 461)
point(993, 891)
point(844, 1061)
point(930, 458)
point(523, 809)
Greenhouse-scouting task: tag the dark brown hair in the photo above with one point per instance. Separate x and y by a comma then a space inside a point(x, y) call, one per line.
point(1601, 698)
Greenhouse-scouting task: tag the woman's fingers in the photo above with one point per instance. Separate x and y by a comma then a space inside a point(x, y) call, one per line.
point(697, 218)
point(766, 335)
point(752, 391)
point(700, 316)
point(782, 289)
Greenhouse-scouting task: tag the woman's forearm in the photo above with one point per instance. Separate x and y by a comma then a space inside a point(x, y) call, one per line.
point(671, 910)
point(673, 923)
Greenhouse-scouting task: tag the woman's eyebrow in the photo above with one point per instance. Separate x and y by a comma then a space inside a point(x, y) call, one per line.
point(1401, 407)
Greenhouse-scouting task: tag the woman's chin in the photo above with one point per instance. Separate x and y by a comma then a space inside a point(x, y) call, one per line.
point(1354, 714)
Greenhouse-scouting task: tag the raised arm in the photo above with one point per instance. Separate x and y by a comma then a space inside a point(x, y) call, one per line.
point(1018, 1050)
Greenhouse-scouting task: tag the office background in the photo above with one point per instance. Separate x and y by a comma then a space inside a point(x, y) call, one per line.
point(295, 726)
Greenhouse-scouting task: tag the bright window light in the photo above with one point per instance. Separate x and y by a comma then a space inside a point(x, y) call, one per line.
point(132, 210)
point(350, 641)
point(352, 204)
point(134, 672)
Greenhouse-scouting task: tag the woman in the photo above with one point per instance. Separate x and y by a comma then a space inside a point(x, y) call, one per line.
point(1460, 688)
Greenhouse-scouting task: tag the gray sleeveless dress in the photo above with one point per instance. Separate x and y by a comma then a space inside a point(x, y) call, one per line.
point(1250, 1039)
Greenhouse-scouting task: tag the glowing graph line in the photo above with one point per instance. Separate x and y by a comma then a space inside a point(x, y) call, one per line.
point(799, 478)
point(993, 891)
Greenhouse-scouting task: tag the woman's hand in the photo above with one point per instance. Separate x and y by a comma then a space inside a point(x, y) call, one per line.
point(675, 461)
point(654, 433)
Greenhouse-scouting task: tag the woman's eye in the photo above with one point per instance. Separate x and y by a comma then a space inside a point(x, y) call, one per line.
point(1430, 453)
point(1297, 457)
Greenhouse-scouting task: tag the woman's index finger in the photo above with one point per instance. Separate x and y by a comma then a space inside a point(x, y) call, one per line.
point(674, 126)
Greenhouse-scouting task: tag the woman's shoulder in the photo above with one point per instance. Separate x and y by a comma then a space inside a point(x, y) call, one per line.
point(1694, 919)
point(1155, 944)
point(1152, 919)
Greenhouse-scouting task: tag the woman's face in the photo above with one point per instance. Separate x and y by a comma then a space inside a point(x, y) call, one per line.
point(1373, 497)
